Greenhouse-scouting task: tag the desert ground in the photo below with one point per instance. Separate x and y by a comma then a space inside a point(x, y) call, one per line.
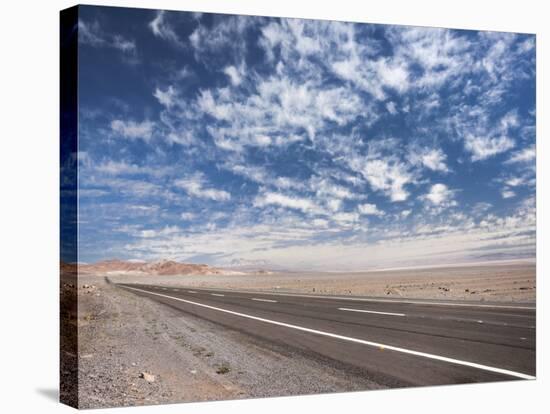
point(503, 281)
point(132, 350)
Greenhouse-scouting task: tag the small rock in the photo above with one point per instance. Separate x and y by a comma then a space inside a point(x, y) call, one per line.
point(224, 369)
point(147, 377)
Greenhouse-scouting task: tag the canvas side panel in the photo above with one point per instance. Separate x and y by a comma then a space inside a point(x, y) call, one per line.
point(68, 387)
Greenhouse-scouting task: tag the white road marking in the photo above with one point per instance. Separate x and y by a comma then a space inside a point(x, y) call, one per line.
point(350, 339)
point(264, 300)
point(368, 311)
point(412, 302)
point(191, 291)
point(217, 294)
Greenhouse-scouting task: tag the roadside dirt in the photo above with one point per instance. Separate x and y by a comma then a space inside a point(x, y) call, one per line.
point(134, 351)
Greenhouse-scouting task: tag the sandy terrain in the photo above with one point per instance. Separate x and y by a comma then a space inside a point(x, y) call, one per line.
point(507, 281)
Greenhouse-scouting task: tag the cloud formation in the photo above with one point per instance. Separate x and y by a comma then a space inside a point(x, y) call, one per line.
point(307, 144)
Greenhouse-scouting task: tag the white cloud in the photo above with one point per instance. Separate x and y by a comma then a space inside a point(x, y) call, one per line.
point(525, 155)
point(282, 200)
point(510, 120)
point(89, 34)
point(280, 113)
point(187, 216)
point(369, 210)
point(345, 219)
point(93, 35)
point(326, 188)
point(261, 140)
point(167, 97)
point(507, 193)
point(161, 28)
point(124, 45)
point(390, 106)
point(389, 177)
point(195, 186)
point(334, 204)
point(224, 35)
point(440, 53)
point(514, 181)
point(165, 231)
point(483, 147)
point(234, 74)
point(434, 159)
point(118, 167)
point(133, 130)
point(440, 195)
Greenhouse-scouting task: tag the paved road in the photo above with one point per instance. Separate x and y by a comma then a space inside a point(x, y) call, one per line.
point(394, 342)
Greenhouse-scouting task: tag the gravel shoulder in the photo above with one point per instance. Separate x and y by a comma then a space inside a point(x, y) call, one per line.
point(135, 351)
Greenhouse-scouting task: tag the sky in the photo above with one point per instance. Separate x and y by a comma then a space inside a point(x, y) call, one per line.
point(302, 144)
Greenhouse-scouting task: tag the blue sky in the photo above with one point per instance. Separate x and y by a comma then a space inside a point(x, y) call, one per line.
point(303, 144)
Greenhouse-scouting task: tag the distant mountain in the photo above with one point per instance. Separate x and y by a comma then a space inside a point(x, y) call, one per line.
point(162, 267)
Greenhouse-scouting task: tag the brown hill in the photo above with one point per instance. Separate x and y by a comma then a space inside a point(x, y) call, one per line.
point(67, 268)
point(163, 267)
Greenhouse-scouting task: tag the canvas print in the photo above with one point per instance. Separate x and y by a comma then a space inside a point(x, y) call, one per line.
point(258, 206)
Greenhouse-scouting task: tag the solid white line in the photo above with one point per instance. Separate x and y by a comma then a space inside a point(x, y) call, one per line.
point(350, 339)
point(264, 300)
point(217, 294)
point(368, 311)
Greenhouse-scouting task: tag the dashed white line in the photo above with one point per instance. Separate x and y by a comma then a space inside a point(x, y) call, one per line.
point(351, 339)
point(217, 294)
point(264, 300)
point(369, 311)
point(410, 302)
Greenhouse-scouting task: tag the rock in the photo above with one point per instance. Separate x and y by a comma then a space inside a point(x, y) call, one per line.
point(224, 369)
point(147, 377)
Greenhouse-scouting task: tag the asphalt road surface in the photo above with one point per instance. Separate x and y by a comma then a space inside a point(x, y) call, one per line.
point(394, 342)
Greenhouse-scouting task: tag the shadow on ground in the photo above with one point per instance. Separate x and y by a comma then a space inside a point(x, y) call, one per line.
point(51, 394)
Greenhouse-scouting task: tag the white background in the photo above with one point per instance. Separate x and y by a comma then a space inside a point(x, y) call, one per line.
point(29, 204)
